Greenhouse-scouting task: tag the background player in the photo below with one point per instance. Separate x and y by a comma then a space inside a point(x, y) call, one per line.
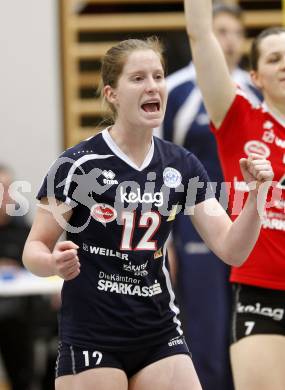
point(206, 319)
point(241, 128)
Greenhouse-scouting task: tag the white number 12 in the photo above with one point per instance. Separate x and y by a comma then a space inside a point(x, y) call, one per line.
point(150, 220)
point(95, 354)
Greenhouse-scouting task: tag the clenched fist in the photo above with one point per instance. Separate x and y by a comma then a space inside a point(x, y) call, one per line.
point(256, 170)
point(65, 260)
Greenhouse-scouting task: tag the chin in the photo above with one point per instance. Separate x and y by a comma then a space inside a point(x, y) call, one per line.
point(155, 123)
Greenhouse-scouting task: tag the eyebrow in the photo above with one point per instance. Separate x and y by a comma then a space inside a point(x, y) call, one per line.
point(144, 71)
point(274, 53)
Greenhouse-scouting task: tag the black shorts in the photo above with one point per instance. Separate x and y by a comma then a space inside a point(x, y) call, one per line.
point(257, 311)
point(73, 360)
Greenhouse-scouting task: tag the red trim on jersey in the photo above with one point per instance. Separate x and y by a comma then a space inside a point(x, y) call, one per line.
point(247, 129)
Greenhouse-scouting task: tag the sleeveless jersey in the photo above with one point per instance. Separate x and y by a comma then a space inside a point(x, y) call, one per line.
point(248, 129)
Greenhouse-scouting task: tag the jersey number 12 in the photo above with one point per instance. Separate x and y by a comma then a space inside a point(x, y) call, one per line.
point(149, 220)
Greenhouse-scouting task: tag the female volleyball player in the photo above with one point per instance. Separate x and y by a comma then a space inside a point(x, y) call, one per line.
point(119, 192)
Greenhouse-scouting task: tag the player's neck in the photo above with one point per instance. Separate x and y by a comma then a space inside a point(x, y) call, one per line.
point(135, 144)
point(276, 108)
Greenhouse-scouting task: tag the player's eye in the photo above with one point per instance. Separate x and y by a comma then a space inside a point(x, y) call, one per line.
point(159, 76)
point(137, 78)
point(273, 59)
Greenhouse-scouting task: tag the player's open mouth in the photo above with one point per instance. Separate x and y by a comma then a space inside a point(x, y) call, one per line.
point(151, 106)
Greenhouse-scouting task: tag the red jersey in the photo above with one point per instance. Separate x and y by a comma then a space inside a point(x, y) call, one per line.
point(247, 129)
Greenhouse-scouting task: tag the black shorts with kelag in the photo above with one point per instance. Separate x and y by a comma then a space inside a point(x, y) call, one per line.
point(257, 311)
point(72, 360)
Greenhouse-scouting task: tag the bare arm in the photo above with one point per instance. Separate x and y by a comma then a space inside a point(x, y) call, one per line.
point(213, 76)
point(42, 255)
point(233, 241)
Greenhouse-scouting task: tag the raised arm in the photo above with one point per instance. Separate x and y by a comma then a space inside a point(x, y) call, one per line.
point(213, 76)
point(43, 255)
point(233, 241)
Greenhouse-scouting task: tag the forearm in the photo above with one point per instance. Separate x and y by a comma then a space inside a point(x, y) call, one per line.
point(233, 241)
point(198, 15)
point(243, 233)
point(37, 258)
point(213, 76)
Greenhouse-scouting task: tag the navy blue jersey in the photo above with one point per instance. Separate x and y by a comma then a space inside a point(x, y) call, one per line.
point(122, 216)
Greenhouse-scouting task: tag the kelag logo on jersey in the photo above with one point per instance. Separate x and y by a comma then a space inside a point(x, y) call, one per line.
point(171, 177)
point(137, 197)
point(103, 213)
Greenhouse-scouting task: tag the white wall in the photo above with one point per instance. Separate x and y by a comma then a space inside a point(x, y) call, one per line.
point(30, 101)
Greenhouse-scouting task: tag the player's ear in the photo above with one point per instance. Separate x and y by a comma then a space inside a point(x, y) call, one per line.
point(110, 94)
point(255, 79)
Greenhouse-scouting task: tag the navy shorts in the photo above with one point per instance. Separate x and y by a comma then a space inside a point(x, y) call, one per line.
point(257, 311)
point(73, 360)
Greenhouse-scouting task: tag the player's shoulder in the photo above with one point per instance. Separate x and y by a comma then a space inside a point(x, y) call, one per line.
point(89, 146)
point(244, 100)
point(179, 158)
point(169, 149)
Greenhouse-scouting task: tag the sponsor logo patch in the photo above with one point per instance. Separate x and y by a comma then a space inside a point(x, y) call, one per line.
point(136, 269)
point(109, 177)
point(275, 313)
point(171, 177)
point(103, 213)
point(127, 288)
point(138, 197)
point(257, 147)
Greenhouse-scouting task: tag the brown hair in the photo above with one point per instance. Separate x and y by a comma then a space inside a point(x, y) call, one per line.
point(255, 52)
point(115, 58)
point(230, 9)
